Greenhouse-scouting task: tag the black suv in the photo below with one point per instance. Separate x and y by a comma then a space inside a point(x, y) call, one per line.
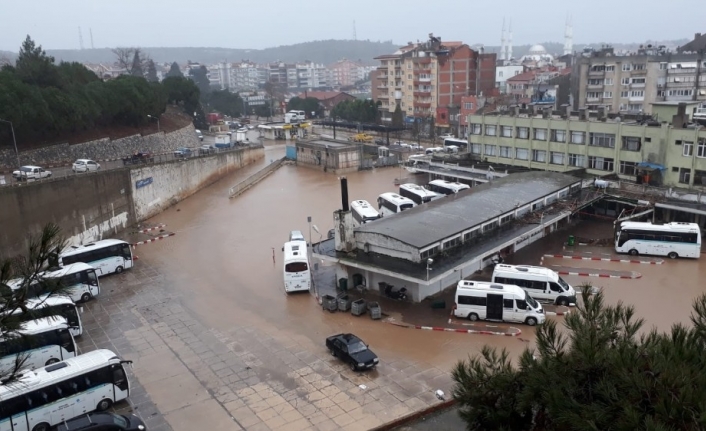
point(103, 422)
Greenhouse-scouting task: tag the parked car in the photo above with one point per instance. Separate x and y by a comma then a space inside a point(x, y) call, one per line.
point(416, 147)
point(182, 152)
point(206, 149)
point(380, 141)
point(352, 350)
point(139, 157)
point(85, 165)
point(242, 130)
point(199, 135)
point(101, 421)
point(29, 172)
point(446, 136)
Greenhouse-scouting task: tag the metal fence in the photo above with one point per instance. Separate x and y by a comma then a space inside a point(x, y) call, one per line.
point(255, 178)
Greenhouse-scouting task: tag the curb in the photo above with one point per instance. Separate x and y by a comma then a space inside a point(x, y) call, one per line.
point(462, 331)
point(605, 259)
point(590, 274)
point(411, 417)
point(556, 313)
point(153, 239)
point(151, 228)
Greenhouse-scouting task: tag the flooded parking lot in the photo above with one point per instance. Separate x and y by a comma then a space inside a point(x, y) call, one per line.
point(217, 344)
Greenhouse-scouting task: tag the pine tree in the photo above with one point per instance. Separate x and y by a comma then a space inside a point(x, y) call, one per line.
point(136, 69)
point(397, 117)
point(34, 66)
point(174, 71)
point(151, 71)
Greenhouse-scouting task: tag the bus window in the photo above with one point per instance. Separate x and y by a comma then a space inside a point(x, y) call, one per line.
point(405, 207)
point(296, 267)
point(126, 252)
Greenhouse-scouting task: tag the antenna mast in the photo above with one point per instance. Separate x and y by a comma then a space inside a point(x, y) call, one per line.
point(355, 37)
point(80, 38)
point(90, 31)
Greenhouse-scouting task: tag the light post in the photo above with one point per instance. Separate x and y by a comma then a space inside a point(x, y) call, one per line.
point(321, 237)
point(308, 220)
point(157, 118)
point(429, 262)
point(14, 141)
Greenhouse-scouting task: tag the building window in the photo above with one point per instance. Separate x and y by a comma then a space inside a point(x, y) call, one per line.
point(610, 68)
point(637, 93)
point(490, 226)
point(680, 93)
point(626, 67)
point(701, 148)
point(699, 178)
point(595, 82)
point(624, 94)
point(430, 252)
point(489, 130)
point(476, 129)
point(506, 152)
point(607, 94)
point(606, 140)
point(523, 132)
point(600, 163)
point(540, 134)
point(663, 66)
point(638, 81)
point(557, 158)
point(631, 143)
point(470, 235)
point(625, 81)
point(539, 156)
point(578, 138)
point(506, 219)
point(684, 175)
point(490, 150)
point(687, 148)
point(608, 81)
point(468, 106)
point(506, 131)
point(453, 242)
point(593, 95)
point(638, 66)
point(628, 168)
point(521, 153)
point(635, 107)
point(558, 135)
point(577, 160)
point(476, 148)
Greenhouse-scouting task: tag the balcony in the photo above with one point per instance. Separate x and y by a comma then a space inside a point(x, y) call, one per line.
point(596, 72)
point(681, 84)
point(422, 105)
point(593, 99)
point(385, 76)
point(596, 86)
point(637, 85)
point(382, 87)
point(682, 71)
point(422, 93)
point(422, 60)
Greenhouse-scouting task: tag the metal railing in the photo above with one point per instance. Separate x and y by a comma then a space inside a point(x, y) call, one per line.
point(255, 178)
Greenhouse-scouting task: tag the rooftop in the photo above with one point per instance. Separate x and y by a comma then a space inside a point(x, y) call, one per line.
point(327, 143)
point(443, 218)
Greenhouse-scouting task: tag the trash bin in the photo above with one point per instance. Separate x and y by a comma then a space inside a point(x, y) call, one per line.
point(374, 310)
point(344, 303)
point(343, 284)
point(329, 303)
point(358, 307)
point(572, 241)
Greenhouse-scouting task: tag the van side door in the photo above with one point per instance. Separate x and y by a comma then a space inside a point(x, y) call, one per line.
point(520, 311)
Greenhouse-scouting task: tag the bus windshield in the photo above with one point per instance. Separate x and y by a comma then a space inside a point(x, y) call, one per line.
point(406, 207)
point(564, 285)
point(296, 267)
point(531, 300)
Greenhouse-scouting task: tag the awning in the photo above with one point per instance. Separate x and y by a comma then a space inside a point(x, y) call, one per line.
point(681, 208)
point(653, 166)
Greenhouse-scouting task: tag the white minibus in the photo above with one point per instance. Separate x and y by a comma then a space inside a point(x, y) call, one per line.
point(392, 203)
point(106, 256)
point(44, 341)
point(418, 194)
point(52, 306)
point(78, 279)
point(297, 274)
point(480, 300)
point(673, 239)
point(48, 396)
point(454, 142)
point(542, 283)
point(363, 213)
point(447, 187)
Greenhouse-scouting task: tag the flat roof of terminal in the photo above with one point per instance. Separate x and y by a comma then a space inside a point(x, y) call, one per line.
point(324, 143)
point(443, 218)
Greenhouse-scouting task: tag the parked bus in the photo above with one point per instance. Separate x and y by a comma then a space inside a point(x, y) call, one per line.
point(78, 279)
point(542, 283)
point(363, 213)
point(62, 391)
point(480, 300)
point(106, 256)
point(418, 194)
point(45, 341)
point(392, 203)
point(454, 142)
point(53, 306)
point(670, 239)
point(297, 274)
point(447, 187)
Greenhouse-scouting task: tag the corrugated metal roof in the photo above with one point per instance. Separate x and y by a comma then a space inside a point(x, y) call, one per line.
point(443, 218)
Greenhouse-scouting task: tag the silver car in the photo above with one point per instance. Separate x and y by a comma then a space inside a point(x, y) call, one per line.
point(85, 165)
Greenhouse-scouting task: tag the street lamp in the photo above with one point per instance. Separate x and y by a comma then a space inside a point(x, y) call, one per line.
point(321, 237)
point(429, 262)
point(14, 141)
point(157, 118)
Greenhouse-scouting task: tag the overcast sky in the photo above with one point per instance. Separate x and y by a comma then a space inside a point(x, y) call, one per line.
point(260, 24)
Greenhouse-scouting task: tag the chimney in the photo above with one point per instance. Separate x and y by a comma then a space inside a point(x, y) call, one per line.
point(535, 110)
point(601, 113)
point(568, 111)
point(697, 35)
point(681, 108)
point(547, 112)
point(516, 110)
point(583, 114)
point(344, 239)
point(344, 194)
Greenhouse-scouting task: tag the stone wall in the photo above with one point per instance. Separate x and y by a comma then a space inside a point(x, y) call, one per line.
point(102, 149)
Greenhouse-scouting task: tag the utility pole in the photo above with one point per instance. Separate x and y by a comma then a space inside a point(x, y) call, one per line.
point(14, 141)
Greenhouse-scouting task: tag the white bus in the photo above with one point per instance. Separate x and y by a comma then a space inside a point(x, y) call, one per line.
point(670, 239)
point(542, 283)
point(447, 187)
point(392, 203)
point(78, 279)
point(297, 274)
point(45, 341)
point(294, 116)
point(48, 396)
point(53, 306)
point(454, 142)
point(363, 213)
point(106, 256)
point(418, 194)
point(480, 300)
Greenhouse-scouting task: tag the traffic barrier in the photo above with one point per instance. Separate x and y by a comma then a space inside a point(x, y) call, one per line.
point(597, 274)
point(462, 331)
point(147, 241)
point(605, 259)
point(151, 228)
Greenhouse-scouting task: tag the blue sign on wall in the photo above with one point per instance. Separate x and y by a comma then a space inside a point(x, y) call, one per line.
point(143, 182)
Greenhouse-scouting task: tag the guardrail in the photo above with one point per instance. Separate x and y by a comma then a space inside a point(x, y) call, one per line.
point(255, 178)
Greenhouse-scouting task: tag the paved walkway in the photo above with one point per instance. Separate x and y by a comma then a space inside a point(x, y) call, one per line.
point(447, 420)
point(605, 257)
point(595, 272)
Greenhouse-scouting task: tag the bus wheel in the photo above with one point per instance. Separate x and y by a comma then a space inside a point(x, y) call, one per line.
point(531, 321)
point(41, 427)
point(633, 252)
point(104, 405)
point(473, 317)
point(672, 255)
point(51, 361)
point(85, 297)
point(118, 270)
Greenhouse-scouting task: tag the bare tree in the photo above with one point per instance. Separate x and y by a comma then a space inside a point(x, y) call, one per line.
point(125, 59)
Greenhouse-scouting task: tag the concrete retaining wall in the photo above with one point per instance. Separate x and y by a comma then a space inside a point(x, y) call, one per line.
point(102, 149)
point(174, 181)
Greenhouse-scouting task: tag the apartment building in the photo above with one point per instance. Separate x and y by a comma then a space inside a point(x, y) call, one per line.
point(246, 76)
point(631, 83)
point(627, 149)
point(307, 75)
point(430, 78)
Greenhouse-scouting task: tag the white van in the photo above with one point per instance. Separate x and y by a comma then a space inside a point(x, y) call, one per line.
point(542, 283)
point(430, 151)
point(477, 300)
